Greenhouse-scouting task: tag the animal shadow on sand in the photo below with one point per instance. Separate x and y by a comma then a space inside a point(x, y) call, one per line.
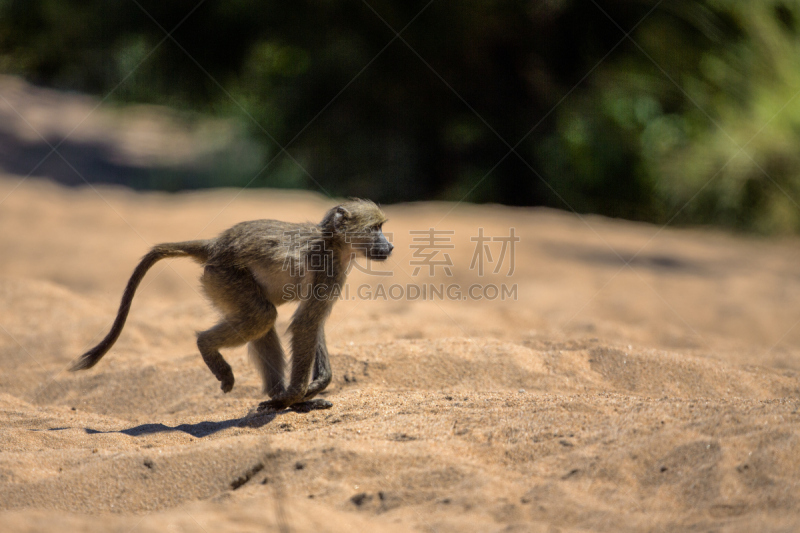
point(254, 419)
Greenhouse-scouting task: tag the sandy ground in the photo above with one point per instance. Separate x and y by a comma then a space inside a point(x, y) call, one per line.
point(657, 395)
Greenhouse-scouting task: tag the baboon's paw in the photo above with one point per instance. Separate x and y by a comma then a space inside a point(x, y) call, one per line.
point(226, 384)
point(271, 405)
point(311, 405)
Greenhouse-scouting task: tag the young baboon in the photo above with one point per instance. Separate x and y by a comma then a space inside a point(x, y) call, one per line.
point(256, 266)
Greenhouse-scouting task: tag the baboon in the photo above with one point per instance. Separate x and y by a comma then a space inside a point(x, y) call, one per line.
point(251, 269)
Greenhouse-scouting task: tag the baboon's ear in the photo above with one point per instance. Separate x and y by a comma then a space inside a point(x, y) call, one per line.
point(340, 218)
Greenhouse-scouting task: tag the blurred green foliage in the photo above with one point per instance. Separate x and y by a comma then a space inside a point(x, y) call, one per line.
point(693, 119)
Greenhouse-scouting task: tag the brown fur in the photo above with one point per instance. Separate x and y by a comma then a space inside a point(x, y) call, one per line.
point(247, 271)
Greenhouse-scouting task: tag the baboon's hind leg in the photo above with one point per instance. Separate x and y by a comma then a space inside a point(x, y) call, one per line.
point(266, 354)
point(249, 315)
point(209, 342)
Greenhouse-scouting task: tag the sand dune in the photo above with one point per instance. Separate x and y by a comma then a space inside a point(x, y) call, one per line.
point(657, 396)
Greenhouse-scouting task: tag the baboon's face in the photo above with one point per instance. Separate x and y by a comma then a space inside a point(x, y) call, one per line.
point(370, 242)
point(377, 248)
point(361, 223)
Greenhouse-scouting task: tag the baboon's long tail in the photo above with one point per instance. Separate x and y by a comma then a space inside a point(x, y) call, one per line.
point(197, 250)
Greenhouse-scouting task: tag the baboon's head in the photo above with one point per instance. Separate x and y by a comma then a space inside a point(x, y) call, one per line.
point(360, 223)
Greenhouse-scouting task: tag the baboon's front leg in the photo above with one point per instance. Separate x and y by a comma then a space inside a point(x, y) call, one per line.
point(322, 375)
point(267, 356)
point(305, 329)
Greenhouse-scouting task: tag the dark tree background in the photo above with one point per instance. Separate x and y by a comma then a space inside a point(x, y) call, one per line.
point(678, 111)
